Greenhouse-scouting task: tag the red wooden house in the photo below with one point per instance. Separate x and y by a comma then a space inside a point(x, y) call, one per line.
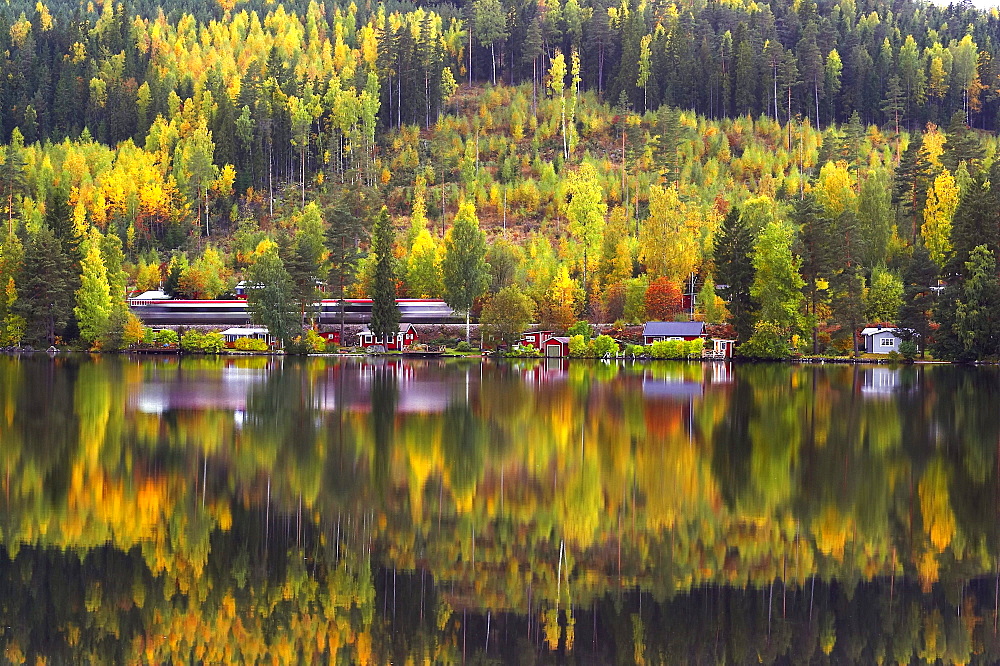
point(405, 337)
point(654, 331)
point(535, 339)
point(331, 336)
point(556, 346)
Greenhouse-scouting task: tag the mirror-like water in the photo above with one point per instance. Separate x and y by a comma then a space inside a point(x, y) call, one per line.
point(361, 510)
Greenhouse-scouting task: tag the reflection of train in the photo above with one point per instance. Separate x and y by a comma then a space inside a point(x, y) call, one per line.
point(356, 311)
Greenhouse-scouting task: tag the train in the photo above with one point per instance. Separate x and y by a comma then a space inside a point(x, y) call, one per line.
point(177, 312)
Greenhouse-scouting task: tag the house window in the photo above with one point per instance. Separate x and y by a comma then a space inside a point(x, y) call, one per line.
point(887, 342)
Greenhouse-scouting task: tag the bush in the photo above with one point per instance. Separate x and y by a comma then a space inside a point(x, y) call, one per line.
point(250, 345)
point(463, 346)
point(314, 341)
point(668, 349)
point(908, 349)
point(767, 342)
point(579, 348)
point(893, 356)
point(166, 338)
point(522, 351)
point(604, 345)
point(297, 346)
point(636, 351)
point(331, 347)
point(203, 343)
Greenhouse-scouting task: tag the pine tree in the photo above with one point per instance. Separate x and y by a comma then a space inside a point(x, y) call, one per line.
point(733, 254)
point(910, 182)
point(385, 312)
point(977, 313)
point(919, 278)
point(976, 222)
point(346, 229)
point(819, 247)
point(45, 297)
point(961, 145)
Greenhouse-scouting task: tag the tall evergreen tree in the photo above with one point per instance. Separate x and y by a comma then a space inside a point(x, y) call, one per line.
point(45, 294)
point(961, 145)
point(976, 221)
point(977, 313)
point(346, 229)
point(919, 278)
point(820, 247)
point(909, 190)
point(733, 254)
point(385, 312)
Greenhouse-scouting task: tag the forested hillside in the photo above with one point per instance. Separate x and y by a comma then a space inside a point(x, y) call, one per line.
point(824, 164)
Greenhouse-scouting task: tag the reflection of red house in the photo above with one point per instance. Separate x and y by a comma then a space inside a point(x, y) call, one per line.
point(405, 337)
point(535, 338)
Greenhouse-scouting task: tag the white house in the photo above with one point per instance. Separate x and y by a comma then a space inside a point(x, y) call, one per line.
point(231, 335)
point(880, 340)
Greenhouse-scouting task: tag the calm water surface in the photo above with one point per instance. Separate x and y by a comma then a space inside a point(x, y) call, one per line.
point(377, 511)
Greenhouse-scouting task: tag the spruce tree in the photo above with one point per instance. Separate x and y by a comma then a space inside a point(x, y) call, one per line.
point(346, 229)
point(734, 272)
point(819, 247)
point(961, 145)
point(920, 276)
point(45, 294)
point(385, 312)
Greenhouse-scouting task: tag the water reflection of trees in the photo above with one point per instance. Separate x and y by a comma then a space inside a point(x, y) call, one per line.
point(514, 490)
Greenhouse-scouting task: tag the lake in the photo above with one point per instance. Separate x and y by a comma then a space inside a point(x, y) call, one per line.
point(385, 510)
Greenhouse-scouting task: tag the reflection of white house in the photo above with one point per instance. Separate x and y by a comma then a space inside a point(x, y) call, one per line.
point(879, 381)
point(880, 340)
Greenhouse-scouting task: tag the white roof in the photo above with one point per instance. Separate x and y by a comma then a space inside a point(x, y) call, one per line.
point(875, 330)
point(152, 295)
point(246, 330)
point(403, 328)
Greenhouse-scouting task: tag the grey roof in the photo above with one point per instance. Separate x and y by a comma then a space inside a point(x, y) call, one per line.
point(403, 328)
point(674, 328)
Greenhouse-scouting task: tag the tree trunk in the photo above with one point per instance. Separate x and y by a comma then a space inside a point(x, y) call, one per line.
point(467, 310)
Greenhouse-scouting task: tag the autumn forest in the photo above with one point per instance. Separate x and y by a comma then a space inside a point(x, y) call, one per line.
point(804, 169)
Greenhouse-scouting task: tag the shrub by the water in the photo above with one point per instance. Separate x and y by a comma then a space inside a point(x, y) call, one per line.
point(203, 343)
point(250, 345)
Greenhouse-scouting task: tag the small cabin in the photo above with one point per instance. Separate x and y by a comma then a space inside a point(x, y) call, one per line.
point(654, 331)
point(881, 340)
point(535, 339)
point(719, 348)
point(556, 346)
point(405, 336)
point(231, 335)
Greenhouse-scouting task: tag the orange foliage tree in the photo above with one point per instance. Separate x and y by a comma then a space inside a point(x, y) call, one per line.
point(663, 299)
